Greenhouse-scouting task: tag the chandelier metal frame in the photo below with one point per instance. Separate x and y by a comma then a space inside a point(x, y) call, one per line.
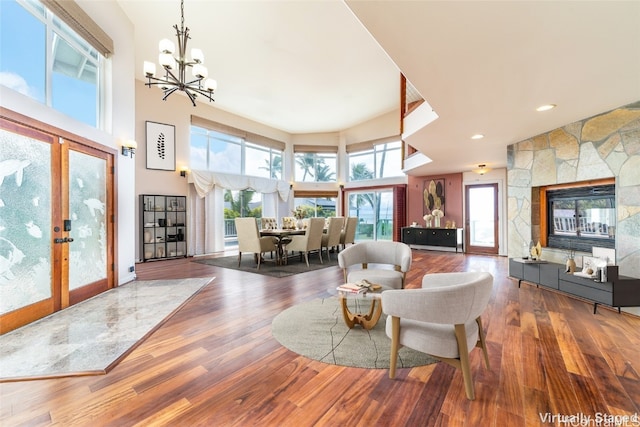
point(176, 80)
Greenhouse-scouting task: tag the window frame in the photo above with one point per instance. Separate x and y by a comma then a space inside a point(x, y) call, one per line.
point(375, 151)
point(243, 142)
point(318, 159)
point(55, 27)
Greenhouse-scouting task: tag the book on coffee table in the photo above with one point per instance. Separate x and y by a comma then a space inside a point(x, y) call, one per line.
point(359, 287)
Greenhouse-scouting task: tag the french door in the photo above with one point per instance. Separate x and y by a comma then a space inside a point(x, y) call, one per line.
point(56, 222)
point(481, 218)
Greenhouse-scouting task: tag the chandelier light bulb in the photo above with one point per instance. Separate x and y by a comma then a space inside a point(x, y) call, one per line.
point(149, 68)
point(210, 85)
point(200, 71)
point(197, 56)
point(166, 46)
point(166, 60)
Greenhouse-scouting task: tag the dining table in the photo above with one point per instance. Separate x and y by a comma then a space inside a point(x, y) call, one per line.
point(281, 235)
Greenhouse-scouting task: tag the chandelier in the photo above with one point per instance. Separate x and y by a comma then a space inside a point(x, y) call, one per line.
point(175, 68)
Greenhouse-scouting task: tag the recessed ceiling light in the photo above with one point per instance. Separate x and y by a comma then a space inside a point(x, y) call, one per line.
point(546, 107)
point(477, 136)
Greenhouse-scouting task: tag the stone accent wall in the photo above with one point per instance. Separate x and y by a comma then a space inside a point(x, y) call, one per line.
point(603, 146)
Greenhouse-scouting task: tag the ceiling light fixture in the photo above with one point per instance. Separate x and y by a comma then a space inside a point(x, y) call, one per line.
point(175, 77)
point(482, 169)
point(546, 107)
point(477, 136)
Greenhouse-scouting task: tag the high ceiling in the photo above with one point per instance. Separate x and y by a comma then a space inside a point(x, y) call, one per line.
point(324, 66)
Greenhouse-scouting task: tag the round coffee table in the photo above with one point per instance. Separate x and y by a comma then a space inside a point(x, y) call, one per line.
point(369, 319)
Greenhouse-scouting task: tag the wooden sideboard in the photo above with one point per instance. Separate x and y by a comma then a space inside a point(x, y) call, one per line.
point(618, 291)
point(435, 237)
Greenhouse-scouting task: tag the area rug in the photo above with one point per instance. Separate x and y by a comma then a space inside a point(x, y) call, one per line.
point(317, 330)
point(269, 268)
point(91, 337)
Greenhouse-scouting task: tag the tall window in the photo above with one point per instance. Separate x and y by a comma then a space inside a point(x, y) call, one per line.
point(374, 210)
point(369, 161)
point(315, 163)
point(222, 152)
point(43, 58)
point(316, 207)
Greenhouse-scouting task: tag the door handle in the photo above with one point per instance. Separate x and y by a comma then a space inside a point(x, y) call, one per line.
point(63, 240)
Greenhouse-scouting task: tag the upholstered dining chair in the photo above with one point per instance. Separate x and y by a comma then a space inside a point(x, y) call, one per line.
point(249, 239)
point(348, 233)
point(381, 262)
point(310, 241)
point(268, 223)
point(441, 319)
point(289, 222)
point(331, 238)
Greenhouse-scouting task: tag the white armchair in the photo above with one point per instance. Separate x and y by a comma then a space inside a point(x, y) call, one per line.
point(392, 262)
point(249, 239)
point(441, 319)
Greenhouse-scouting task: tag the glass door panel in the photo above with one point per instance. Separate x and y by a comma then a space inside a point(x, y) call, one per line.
point(25, 221)
point(87, 209)
point(482, 218)
point(375, 214)
point(26, 253)
point(90, 225)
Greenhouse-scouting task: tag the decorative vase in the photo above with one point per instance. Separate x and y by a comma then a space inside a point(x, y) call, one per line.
point(437, 221)
point(147, 237)
point(160, 252)
point(428, 224)
point(300, 224)
point(571, 266)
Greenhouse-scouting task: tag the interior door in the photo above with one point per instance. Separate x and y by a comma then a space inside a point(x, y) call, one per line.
point(481, 218)
point(56, 222)
point(88, 221)
point(27, 215)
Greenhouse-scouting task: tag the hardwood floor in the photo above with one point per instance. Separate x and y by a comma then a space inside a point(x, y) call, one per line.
point(215, 363)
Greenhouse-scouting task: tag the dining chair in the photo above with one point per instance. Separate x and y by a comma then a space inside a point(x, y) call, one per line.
point(331, 238)
point(348, 234)
point(249, 239)
point(310, 241)
point(289, 222)
point(441, 319)
point(268, 223)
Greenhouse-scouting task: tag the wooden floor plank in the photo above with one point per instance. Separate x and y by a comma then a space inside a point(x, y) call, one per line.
point(215, 362)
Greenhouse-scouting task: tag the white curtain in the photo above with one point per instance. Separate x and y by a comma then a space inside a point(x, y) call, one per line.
point(206, 227)
point(205, 181)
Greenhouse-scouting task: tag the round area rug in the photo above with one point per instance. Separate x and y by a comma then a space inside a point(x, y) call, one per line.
point(317, 330)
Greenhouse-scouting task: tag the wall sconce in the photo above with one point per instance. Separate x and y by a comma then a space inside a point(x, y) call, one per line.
point(482, 169)
point(290, 186)
point(341, 186)
point(129, 148)
point(183, 171)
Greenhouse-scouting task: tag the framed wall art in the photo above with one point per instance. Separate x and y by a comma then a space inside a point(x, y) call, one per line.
point(433, 194)
point(161, 146)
